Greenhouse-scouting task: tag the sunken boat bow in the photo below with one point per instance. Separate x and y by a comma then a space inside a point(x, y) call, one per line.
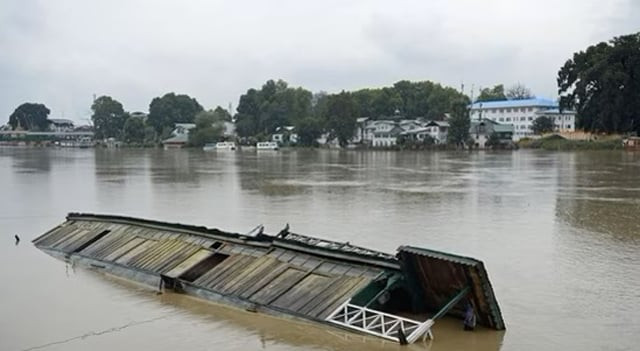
point(394, 297)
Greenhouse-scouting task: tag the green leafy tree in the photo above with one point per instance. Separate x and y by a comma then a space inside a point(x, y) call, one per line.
point(247, 119)
point(342, 115)
point(518, 92)
point(602, 83)
point(166, 111)
point(411, 99)
point(274, 105)
point(30, 116)
point(309, 130)
point(134, 130)
point(542, 125)
point(319, 105)
point(223, 113)
point(108, 117)
point(459, 123)
point(150, 135)
point(209, 128)
point(492, 94)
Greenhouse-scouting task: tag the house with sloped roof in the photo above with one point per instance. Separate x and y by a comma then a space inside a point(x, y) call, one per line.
point(480, 132)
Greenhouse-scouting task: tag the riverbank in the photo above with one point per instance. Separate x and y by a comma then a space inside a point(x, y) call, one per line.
point(556, 143)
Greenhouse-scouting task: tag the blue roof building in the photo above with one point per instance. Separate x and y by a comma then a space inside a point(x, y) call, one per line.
point(521, 113)
point(534, 102)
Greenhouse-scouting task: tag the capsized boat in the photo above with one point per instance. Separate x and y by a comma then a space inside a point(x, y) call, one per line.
point(287, 274)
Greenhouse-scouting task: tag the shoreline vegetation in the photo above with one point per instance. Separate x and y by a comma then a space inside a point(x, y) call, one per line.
point(600, 84)
point(548, 143)
point(557, 143)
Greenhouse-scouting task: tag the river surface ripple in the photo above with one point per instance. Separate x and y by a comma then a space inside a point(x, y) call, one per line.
point(559, 234)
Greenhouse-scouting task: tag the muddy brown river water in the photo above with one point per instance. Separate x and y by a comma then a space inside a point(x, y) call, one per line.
point(559, 234)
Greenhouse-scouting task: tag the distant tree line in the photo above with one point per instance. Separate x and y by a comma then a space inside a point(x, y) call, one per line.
point(498, 93)
point(275, 104)
point(601, 83)
point(110, 120)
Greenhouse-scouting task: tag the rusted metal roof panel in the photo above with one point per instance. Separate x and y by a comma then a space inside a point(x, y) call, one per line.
point(438, 276)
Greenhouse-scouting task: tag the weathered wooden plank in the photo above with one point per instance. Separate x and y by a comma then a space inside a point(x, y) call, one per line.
point(60, 244)
point(162, 256)
point(248, 272)
point(191, 261)
point(277, 286)
point(78, 241)
point(299, 260)
point(329, 293)
point(302, 292)
point(218, 269)
point(260, 283)
point(115, 254)
point(56, 235)
point(103, 247)
point(182, 255)
point(136, 251)
point(219, 283)
point(339, 297)
point(254, 277)
point(152, 254)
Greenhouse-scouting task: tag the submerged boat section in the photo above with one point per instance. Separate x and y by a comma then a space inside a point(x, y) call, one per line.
point(397, 297)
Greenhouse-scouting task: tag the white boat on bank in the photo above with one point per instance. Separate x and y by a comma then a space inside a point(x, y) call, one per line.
point(267, 145)
point(225, 145)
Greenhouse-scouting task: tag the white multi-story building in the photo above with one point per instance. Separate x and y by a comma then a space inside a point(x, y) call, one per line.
point(521, 114)
point(60, 125)
point(382, 133)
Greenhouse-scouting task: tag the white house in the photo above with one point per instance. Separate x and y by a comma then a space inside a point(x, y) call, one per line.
point(60, 125)
point(182, 128)
point(481, 130)
point(229, 129)
point(521, 114)
point(438, 130)
point(381, 133)
point(285, 134)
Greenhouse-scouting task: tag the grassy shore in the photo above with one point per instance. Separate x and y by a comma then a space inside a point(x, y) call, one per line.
point(559, 144)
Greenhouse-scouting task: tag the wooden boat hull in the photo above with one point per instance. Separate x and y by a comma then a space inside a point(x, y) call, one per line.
point(288, 275)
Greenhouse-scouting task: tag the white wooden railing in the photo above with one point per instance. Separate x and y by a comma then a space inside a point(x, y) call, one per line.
point(379, 323)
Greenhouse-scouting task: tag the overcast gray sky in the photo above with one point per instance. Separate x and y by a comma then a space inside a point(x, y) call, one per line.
point(62, 52)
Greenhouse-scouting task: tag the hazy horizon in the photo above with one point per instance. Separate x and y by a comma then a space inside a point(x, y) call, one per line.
point(62, 53)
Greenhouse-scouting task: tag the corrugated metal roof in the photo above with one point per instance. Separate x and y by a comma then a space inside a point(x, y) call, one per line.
point(438, 276)
point(535, 102)
point(440, 255)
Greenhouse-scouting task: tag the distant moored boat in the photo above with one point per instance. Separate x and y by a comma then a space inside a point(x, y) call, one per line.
point(267, 145)
point(225, 145)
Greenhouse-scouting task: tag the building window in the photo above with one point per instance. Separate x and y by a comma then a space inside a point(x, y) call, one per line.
point(508, 119)
point(501, 119)
point(523, 118)
point(530, 109)
point(501, 110)
point(531, 118)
